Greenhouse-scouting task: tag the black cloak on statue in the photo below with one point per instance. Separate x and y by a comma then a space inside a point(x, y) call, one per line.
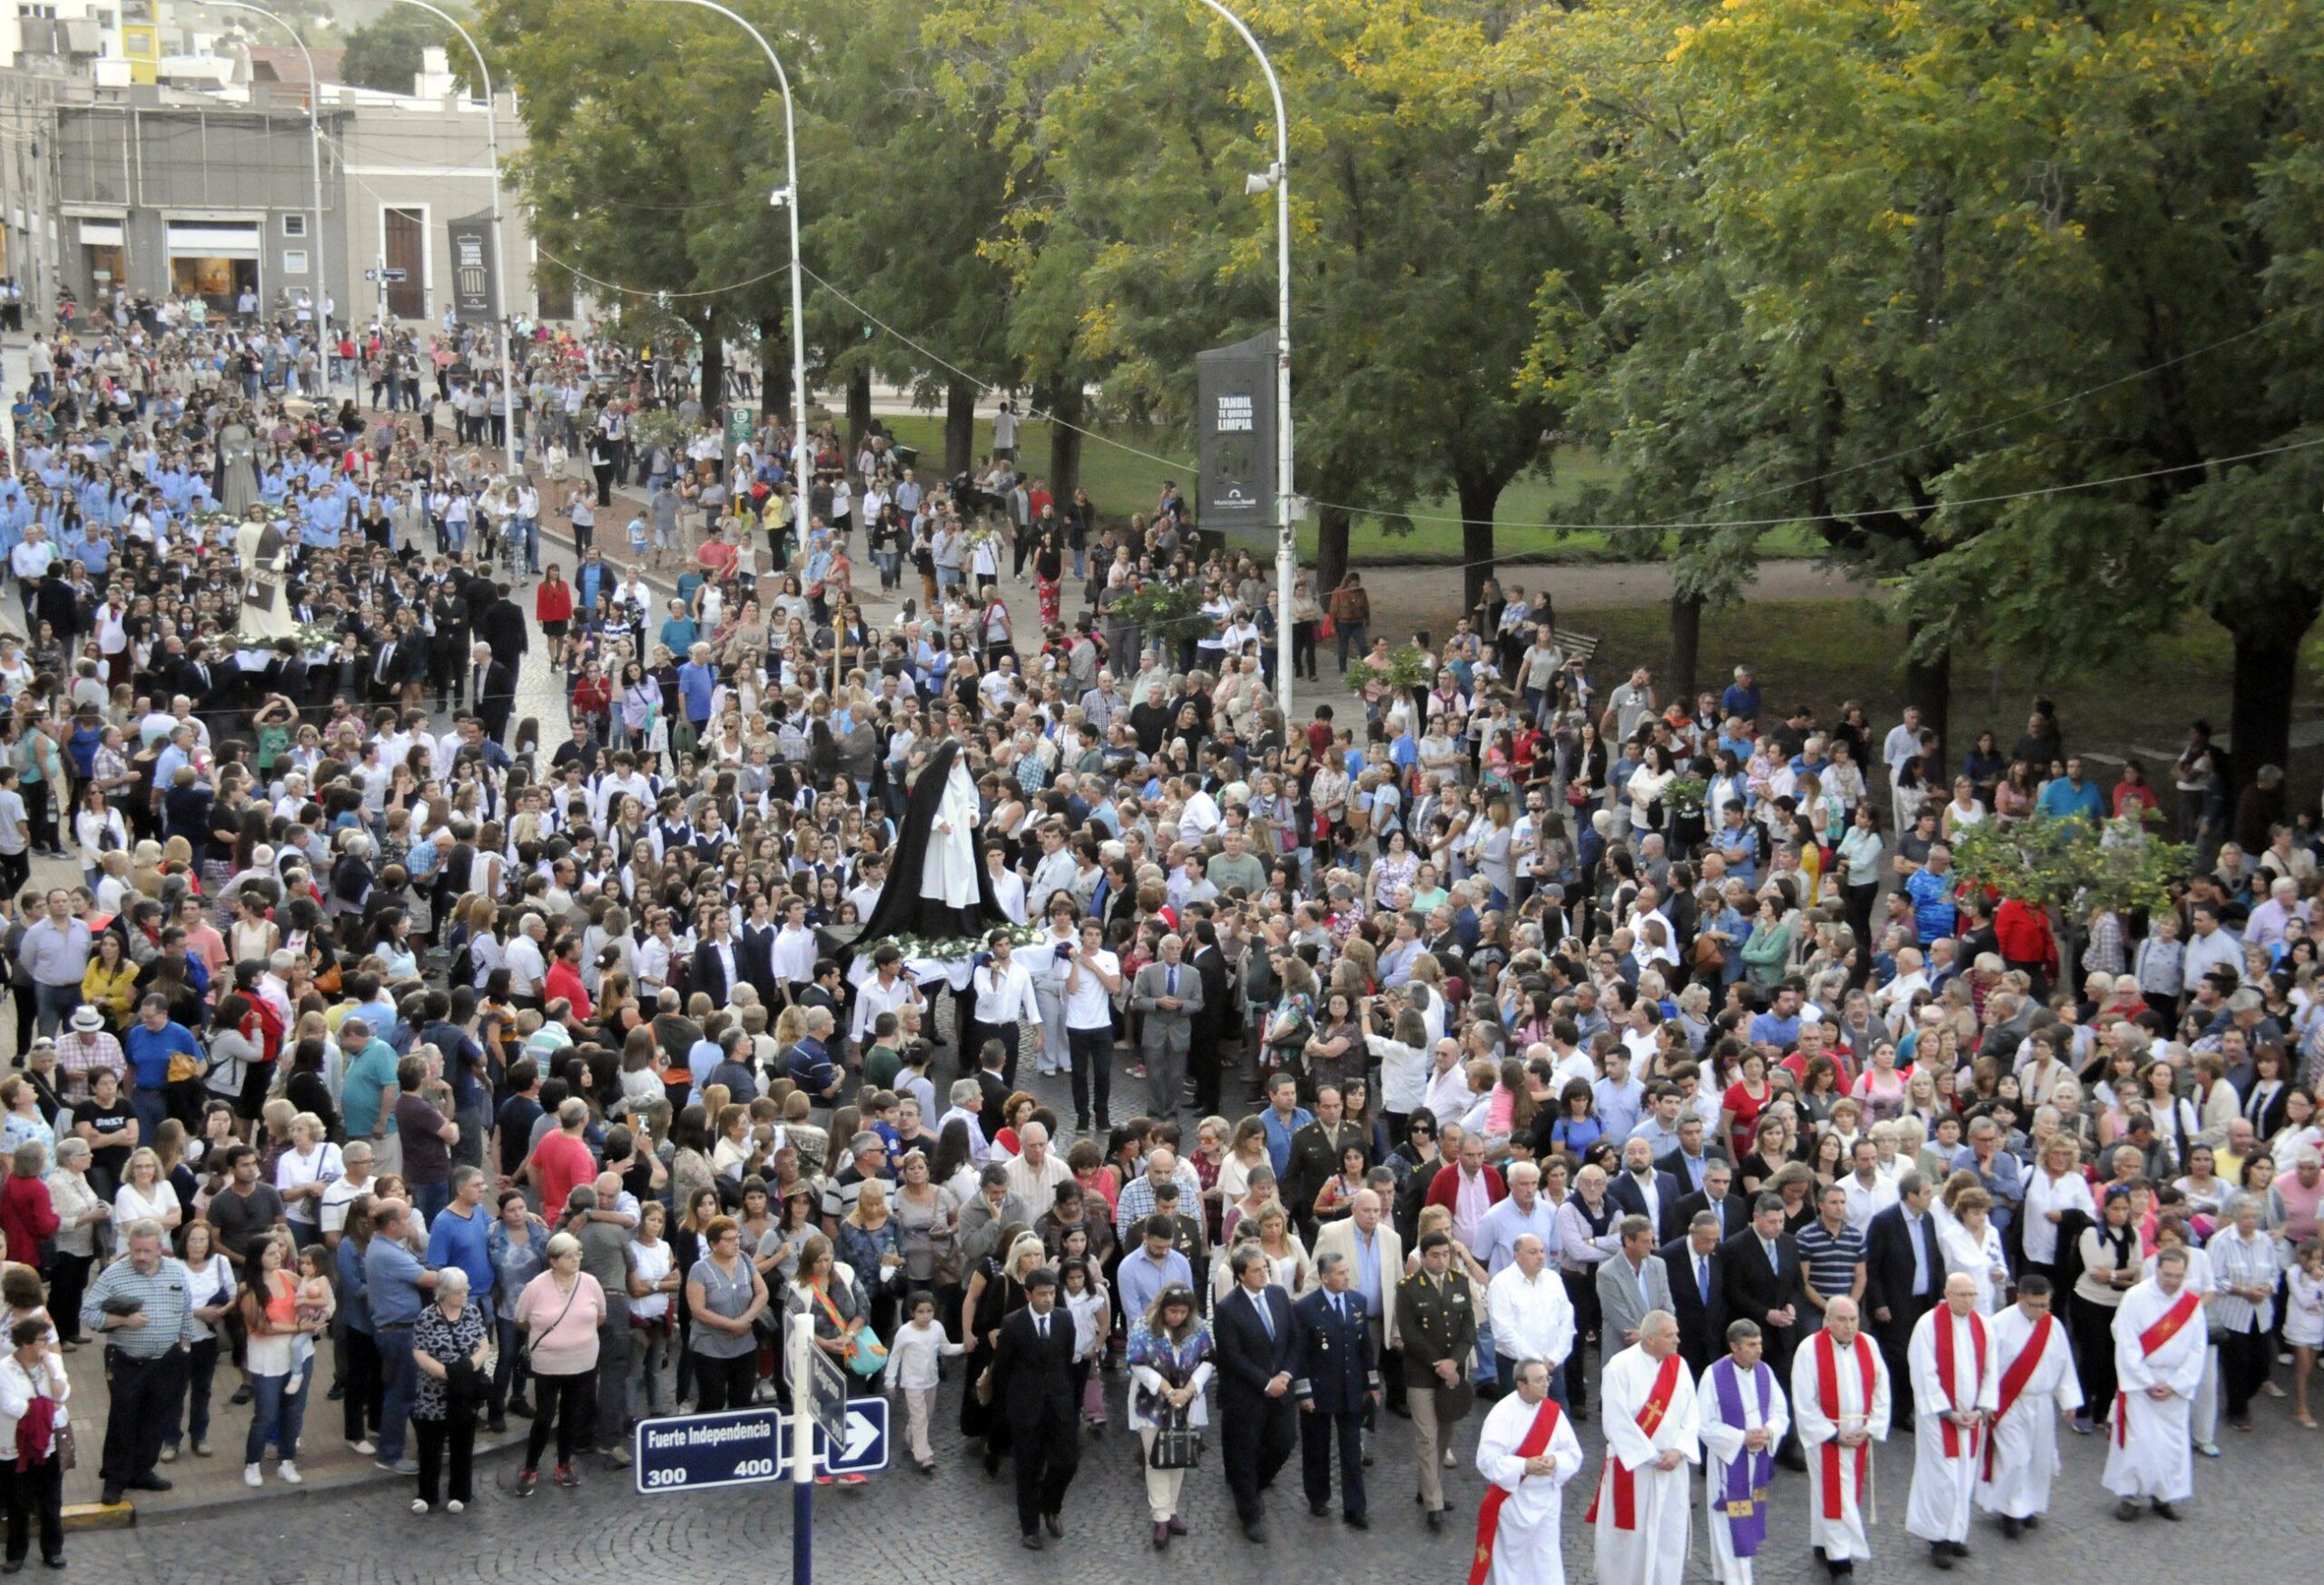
point(902, 911)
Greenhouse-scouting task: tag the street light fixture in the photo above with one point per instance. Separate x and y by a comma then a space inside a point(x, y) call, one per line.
point(506, 327)
point(315, 158)
point(785, 198)
point(1277, 177)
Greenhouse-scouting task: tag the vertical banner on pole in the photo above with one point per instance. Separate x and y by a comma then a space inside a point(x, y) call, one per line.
point(472, 272)
point(1235, 400)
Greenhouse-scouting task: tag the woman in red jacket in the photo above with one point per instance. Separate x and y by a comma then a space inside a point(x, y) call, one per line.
point(27, 1215)
point(553, 606)
point(2022, 931)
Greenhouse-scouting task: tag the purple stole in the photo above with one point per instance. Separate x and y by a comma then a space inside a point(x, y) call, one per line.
point(1744, 1499)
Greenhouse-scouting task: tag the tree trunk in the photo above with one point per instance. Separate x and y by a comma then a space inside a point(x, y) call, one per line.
point(1929, 684)
point(859, 409)
point(1686, 646)
point(1068, 409)
point(2267, 674)
point(960, 427)
point(714, 368)
point(1331, 549)
point(1477, 498)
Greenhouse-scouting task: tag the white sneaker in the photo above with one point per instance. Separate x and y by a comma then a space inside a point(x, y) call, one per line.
point(455, 1506)
point(366, 1447)
point(251, 1477)
point(289, 1472)
point(420, 1505)
point(169, 1455)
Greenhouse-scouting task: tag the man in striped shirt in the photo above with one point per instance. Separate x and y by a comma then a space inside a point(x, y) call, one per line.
point(140, 1305)
point(1831, 1254)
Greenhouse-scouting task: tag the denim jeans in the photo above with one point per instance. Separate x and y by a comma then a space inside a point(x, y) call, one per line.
point(509, 1377)
point(399, 1374)
point(201, 1367)
point(528, 532)
point(277, 1412)
point(56, 1003)
point(432, 1198)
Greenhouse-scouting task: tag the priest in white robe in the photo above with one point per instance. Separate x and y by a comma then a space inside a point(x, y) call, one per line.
point(2159, 1344)
point(1526, 1452)
point(1839, 1402)
point(1744, 1415)
point(1642, 1512)
point(2034, 1361)
point(1951, 1357)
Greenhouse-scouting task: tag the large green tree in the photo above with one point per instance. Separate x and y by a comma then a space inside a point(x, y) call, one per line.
point(1884, 265)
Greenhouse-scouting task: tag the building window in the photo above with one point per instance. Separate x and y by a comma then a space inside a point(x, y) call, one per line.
point(294, 262)
point(294, 225)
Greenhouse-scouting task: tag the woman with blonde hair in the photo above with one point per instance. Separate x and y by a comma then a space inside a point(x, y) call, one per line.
point(145, 1194)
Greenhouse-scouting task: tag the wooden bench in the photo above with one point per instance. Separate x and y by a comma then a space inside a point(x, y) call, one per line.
point(1582, 647)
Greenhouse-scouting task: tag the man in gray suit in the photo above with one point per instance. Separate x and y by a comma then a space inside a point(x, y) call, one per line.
point(1170, 993)
point(1631, 1283)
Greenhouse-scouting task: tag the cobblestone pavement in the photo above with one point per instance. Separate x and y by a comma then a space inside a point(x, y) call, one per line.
point(957, 1526)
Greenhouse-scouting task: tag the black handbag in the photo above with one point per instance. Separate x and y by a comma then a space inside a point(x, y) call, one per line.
point(1177, 1445)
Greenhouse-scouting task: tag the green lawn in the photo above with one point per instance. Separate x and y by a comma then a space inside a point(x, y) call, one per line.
point(1122, 481)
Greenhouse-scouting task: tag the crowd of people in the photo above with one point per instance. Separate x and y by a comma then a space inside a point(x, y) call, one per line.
point(1512, 1038)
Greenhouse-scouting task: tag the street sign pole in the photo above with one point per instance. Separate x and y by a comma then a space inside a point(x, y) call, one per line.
point(802, 1449)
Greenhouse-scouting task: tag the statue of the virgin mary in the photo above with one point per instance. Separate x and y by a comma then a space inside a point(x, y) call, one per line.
point(264, 557)
point(936, 889)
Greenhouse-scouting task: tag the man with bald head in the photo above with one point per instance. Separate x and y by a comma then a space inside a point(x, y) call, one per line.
point(1955, 1385)
point(1036, 1170)
point(1839, 1404)
point(1642, 1512)
point(1169, 991)
point(1531, 1318)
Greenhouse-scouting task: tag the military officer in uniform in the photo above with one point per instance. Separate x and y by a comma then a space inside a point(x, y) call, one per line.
point(1339, 1380)
point(1437, 1319)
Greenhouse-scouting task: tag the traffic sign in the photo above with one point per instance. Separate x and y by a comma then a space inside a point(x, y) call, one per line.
point(861, 1450)
point(745, 1447)
point(395, 277)
point(371, 275)
point(827, 1396)
point(691, 1453)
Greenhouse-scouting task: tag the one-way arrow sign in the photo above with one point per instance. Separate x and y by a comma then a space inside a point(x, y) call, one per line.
point(865, 1450)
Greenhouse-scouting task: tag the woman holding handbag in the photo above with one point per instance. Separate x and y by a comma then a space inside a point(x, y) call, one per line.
point(1170, 1366)
point(832, 1297)
point(35, 1441)
point(559, 1314)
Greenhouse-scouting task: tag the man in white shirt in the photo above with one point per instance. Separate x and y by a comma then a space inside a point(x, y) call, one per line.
point(528, 966)
point(1868, 1193)
point(793, 951)
point(1093, 978)
point(1530, 1314)
point(1005, 1004)
point(888, 989)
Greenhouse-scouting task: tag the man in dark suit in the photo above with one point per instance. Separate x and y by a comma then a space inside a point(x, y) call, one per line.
point(1690, 1162)
point(502, 625)
point(1697, 1270)
point(1214, 1023)
point(1765, 1284)
point(1904, 1279)
point(493, 689)
point(1257, 1335)
point(392, 663)
point(1033, 1380)
point(1316, 1158)
point(1338, 1380)
point(1718, 1198)
point(1639, 1190)
point(993, 1082)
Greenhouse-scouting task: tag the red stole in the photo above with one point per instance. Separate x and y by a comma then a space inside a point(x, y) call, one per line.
point(1953, 1433)
point(1536, 1443)
point(1828, 1401)
point(2166, 1326)
point(1624, 1481)
point(2014, 1379)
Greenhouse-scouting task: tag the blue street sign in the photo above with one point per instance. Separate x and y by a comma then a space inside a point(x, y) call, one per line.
point(865, 1449)
point(691, 1453)
point(742, 1447)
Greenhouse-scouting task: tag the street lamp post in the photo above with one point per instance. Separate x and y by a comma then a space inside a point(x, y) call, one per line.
point(315, 157)
point(1278, 177)
point(507, 316)
point(785, 198)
